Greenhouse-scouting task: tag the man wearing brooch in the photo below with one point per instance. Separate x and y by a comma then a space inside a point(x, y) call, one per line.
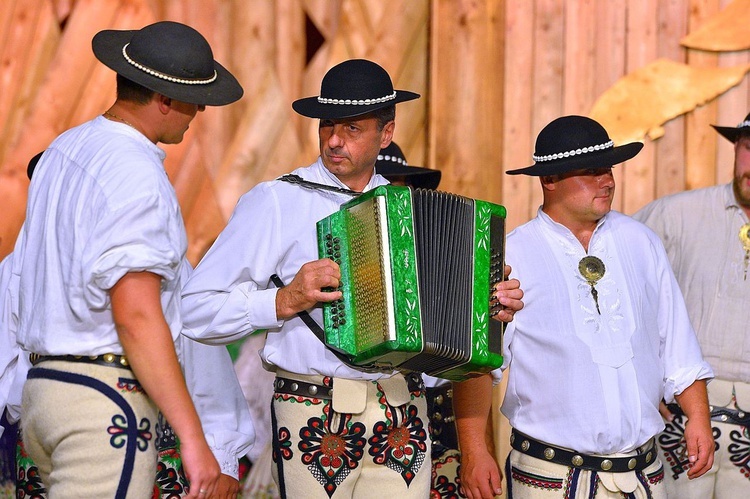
point(338, 430)
point(603, 337)
point(98, 268)
point(706, 235)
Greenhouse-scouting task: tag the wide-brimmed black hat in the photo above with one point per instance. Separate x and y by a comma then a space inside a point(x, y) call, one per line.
point(575, 143)
point(352, 88)
point(392, 164)
point(171, 59)
point(733, 133)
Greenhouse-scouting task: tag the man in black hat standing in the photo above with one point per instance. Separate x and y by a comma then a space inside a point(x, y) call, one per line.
point(706, 233)
point(98, 265)
point(603, 336)
point(338, 431)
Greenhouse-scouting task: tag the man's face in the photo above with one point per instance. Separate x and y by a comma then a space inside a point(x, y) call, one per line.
point(742, 171)
point(349, 147)
point(584, 196)
point(180, 116)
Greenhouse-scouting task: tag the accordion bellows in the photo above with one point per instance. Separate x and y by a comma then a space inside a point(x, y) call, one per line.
point(417, 269)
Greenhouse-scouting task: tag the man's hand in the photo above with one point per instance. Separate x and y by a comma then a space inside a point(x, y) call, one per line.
point(509, 294)
point(306, 289)
point(699, 437)
point(201, 469)
point(480, 476)
point(226, 488)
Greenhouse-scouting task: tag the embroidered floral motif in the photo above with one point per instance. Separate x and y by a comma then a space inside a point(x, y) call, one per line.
point(739, 450)
point(170, 475)
point(28, 480)
point(119, 429)
point(129, 385)
point(400, 447)
point(282, 445)
point(446, 486)
point(331, 454)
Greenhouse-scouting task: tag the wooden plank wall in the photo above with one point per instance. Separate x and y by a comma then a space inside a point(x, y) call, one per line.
point(559, 56)
point(279, 50)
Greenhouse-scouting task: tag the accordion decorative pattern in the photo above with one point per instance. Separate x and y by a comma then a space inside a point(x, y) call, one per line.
point(417, 269)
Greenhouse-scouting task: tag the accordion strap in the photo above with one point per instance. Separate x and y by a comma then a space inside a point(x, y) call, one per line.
point(296, 179)
point(321, 335)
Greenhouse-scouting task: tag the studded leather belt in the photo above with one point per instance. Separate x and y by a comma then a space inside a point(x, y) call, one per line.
point(107, 359)
point(718, 414)
point(291, 386)
point(442, 419)
point(540, 450)
point(301, 388)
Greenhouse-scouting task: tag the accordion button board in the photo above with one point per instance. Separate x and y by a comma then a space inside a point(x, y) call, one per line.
point(417, 271)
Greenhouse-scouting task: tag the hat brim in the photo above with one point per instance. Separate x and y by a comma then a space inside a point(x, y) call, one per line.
point(596, 159)
point(730, 133)
point(417, 176)
point(312, 108)
point(107, 46)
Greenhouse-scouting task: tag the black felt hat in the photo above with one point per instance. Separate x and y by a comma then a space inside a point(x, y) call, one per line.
point(575, 143)
point(171, 59)
point(392, 164)
point(733, 133)
point(352, 88)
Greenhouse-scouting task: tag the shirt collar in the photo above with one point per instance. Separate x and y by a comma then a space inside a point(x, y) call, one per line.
point(330, 179)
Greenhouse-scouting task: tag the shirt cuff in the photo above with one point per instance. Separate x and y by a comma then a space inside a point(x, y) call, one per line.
point(261, 308)
point(228, 463)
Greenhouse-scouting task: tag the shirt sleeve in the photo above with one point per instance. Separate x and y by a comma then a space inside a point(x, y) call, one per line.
point(683, 359)
point(144, 234)
point(219, 401)
point(228, 295)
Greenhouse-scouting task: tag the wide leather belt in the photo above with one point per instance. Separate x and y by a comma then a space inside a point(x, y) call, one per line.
point(107, 359)
point(442, 419)
point(301, 388)
point(718, 414)
point(535, 448)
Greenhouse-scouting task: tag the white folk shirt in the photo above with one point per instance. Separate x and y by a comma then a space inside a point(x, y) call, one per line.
point(700, 230)
point(588, 381)
point(100, 205)
point(272, 231)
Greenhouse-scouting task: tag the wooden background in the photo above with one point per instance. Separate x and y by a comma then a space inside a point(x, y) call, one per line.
point(492, 73)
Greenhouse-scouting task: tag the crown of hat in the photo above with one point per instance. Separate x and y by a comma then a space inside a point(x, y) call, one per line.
point(159, 47)
point(570, 135)
point(357, 80)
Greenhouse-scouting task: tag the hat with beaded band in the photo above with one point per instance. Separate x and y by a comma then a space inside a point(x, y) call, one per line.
point(392, 164)
point(352, 88)
point(575, 143)
point(171, 59)
point(732, 134)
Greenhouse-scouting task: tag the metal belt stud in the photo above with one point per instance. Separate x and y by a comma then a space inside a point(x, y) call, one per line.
point(294, 387)
point(525, 445)
point(312, 390)
point(549, 453)
point(577, 460)
point(632, 463)
point(606, 465)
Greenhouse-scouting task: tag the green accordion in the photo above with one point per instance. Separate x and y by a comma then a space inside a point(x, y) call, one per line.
point(417, 269)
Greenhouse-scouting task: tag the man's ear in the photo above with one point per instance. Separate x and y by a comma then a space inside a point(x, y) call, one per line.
point(164, 103)
point(387, 134)
point(548, 182)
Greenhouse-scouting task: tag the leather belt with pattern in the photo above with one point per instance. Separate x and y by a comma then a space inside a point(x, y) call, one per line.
point(718, 414)
point(540, 450)
point(107, 359)
point(442, 419)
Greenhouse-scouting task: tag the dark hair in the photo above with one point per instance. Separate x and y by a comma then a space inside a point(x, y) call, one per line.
point(131, 91)
point(384, 115)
